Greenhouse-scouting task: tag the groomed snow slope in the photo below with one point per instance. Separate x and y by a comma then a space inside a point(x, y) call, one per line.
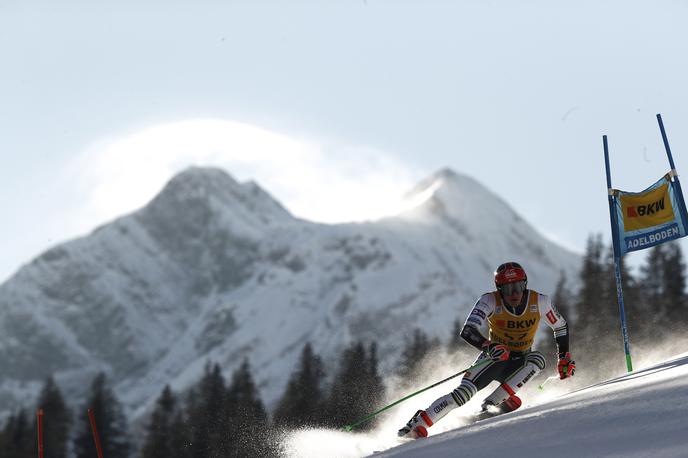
point(641, 414)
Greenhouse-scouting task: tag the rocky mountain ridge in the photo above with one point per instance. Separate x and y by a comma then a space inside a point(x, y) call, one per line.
point(213, 269)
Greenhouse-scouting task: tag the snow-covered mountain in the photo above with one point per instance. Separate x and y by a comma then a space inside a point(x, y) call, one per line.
point(217, 270)
point(637, 415)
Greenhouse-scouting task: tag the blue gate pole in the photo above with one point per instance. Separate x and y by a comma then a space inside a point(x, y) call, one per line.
point(674, 173)
point(617, 255)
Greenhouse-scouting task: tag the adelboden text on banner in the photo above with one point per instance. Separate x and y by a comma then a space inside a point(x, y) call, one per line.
point(650, 217)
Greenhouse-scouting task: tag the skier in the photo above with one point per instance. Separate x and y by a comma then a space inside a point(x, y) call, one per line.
point(502, 326)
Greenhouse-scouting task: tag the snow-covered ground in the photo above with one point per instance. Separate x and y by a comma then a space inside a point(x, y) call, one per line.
point(641, 414)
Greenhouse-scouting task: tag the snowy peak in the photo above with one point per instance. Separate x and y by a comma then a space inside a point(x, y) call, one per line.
point(206, 177)
point(446, 178)
point(458, 205)
point(447, 193)
point(199, 197)
point(207, 184)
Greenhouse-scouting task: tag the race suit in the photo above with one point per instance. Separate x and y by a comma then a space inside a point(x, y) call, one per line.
point(491, 319)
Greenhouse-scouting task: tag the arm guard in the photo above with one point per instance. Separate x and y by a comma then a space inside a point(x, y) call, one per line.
point(473, 337)
point(561, 335)
point(557, 323)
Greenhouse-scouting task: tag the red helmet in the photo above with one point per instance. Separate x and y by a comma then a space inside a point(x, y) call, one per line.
point(509, 272)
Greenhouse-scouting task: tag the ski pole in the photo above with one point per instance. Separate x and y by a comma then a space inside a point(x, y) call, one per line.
point(542, 385)
point(369, 416)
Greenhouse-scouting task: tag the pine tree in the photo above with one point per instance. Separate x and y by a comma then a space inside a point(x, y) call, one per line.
point(357, 388)
point(345, 400)
point(302, 402)
point(592, 284)
point(57, 420)
point(598, 343)
point(248, 418)
point(563, 297)
point(373, 384)
point(160, 433)
point(417, 348)
point(180, 442)
point(596, 306)
point(674, 276)
point(110, 422)
point(664, 299)
point(645, 316)
point(207, 416)
point(456, 343)
point(187, 425)
point(18, 437)
point(632, 293)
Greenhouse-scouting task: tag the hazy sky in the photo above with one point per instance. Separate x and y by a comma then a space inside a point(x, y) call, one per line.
point(337, 108)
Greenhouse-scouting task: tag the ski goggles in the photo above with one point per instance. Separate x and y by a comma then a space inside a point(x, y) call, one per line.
point(512, 288)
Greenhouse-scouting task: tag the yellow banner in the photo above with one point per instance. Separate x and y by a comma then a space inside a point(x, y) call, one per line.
point(646, 210)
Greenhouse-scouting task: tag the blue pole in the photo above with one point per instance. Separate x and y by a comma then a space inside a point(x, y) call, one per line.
point(666, 142)
point(677, 183)
point(617, 255)
point(610, 196)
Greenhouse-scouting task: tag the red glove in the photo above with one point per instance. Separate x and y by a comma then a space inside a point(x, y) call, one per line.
point(496, 350)
point(566, 366)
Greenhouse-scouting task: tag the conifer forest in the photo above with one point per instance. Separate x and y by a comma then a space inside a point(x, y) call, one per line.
point(224, 416)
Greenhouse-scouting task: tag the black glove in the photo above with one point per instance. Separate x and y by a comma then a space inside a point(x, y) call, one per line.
point(496, 351)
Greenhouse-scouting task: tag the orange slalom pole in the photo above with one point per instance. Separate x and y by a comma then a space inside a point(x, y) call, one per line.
point(96, 438)
point(39, 421)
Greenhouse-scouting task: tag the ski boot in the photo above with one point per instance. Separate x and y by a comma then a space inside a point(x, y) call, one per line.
point(510, 404)
point(417, 426)
point(488, 410)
